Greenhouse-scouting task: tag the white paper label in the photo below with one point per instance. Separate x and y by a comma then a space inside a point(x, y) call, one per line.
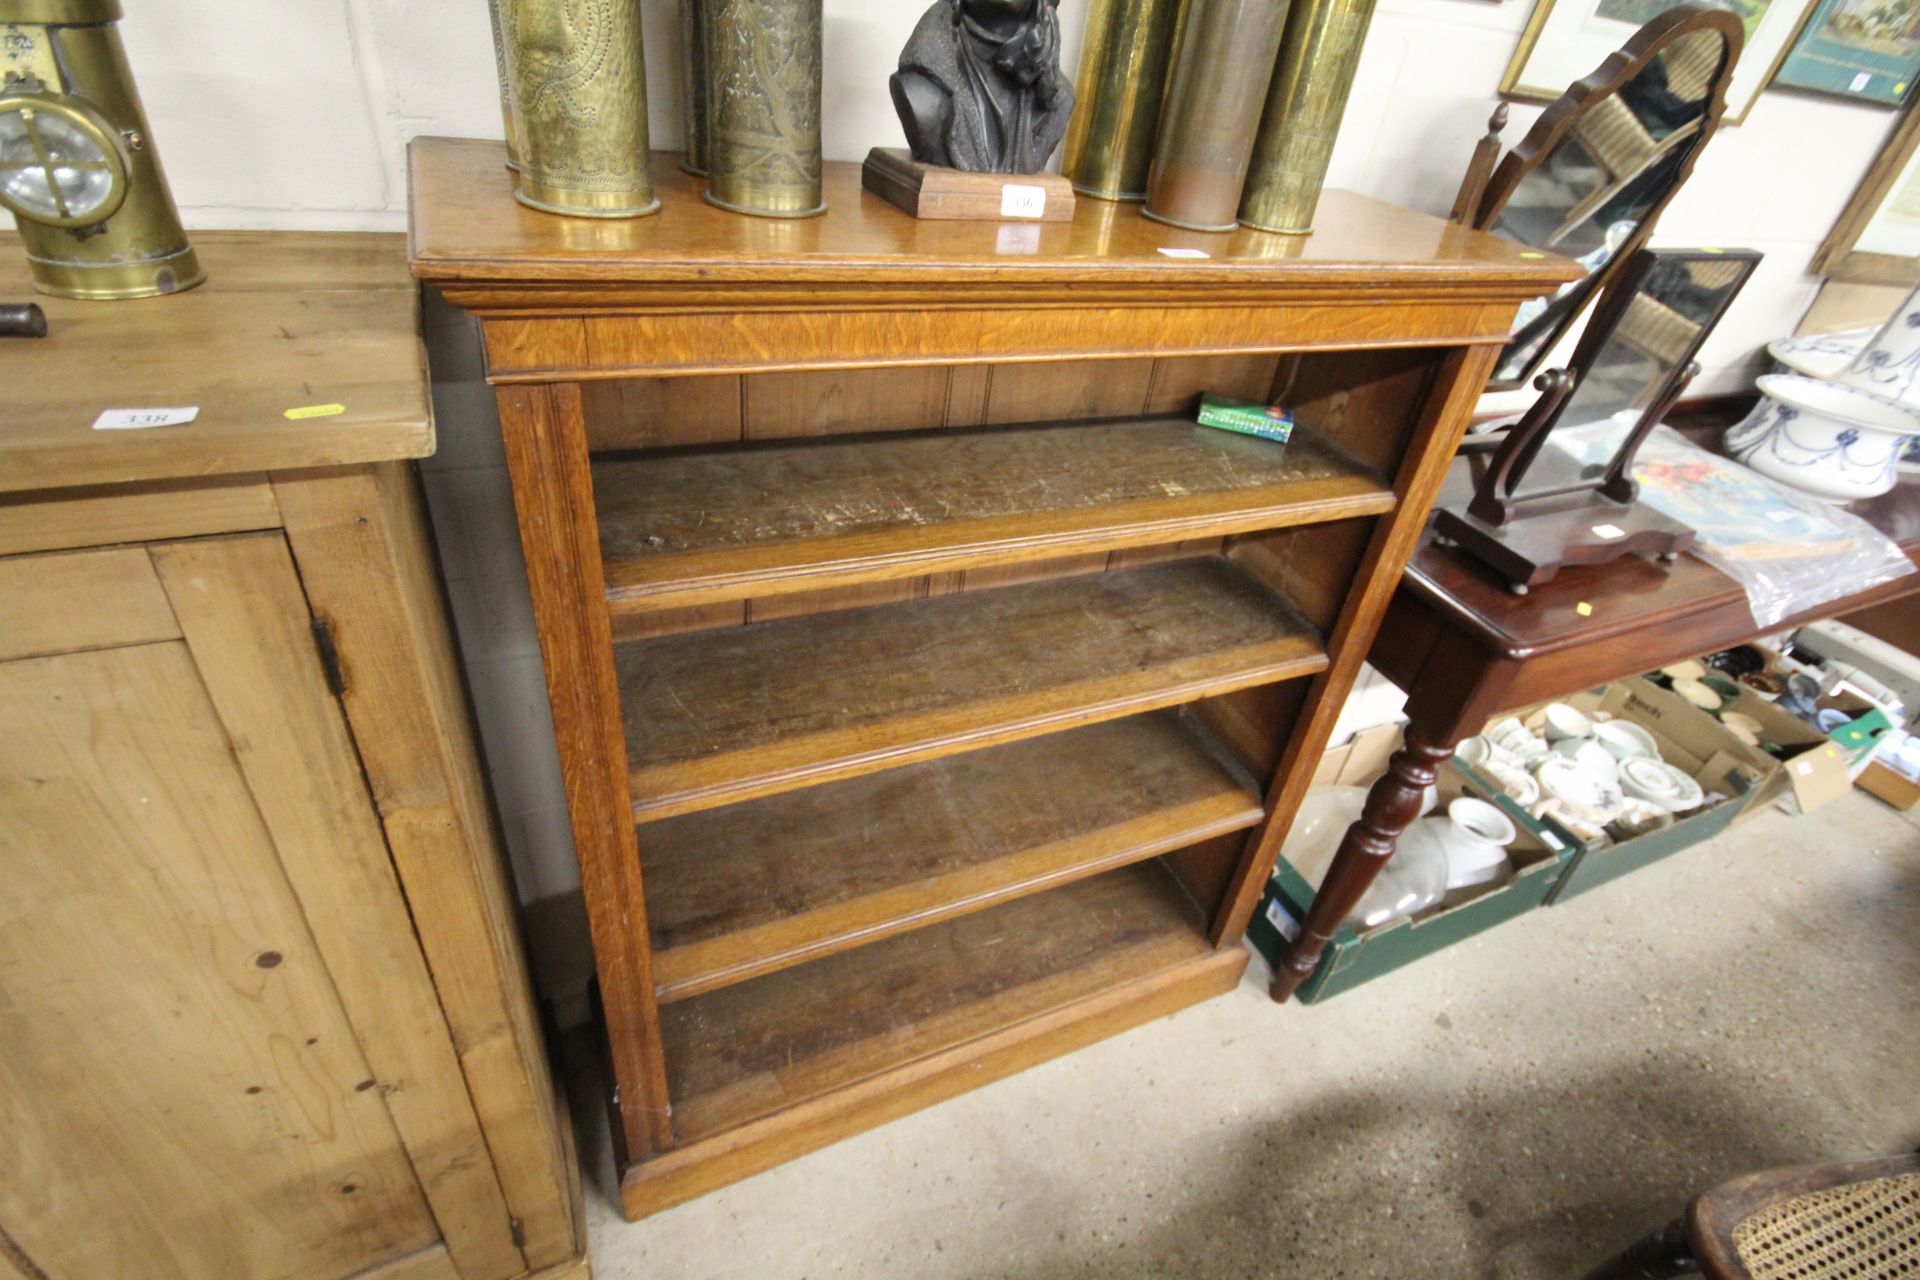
point(1019, 201)
point(1186, 253)
point(1861, 81)
point(131, 419)
point(1609, 531)
point(1277, 917)
point(1020, 239)
point(1551, 840)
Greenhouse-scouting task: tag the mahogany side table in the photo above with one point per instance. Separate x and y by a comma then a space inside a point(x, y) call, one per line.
point(1465, 648)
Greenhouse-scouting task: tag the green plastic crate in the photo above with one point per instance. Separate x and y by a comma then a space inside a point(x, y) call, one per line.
point(1353, 957)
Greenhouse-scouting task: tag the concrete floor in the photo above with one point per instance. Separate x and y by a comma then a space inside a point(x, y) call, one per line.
point(1517, 1106)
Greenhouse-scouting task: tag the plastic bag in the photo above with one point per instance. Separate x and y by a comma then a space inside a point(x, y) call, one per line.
point(1791, 551)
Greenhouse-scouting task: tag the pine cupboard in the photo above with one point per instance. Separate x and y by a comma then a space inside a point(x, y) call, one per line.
point(263, 1012)
point(932, 694)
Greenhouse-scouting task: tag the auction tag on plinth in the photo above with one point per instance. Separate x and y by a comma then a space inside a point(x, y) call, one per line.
point(1018, 200)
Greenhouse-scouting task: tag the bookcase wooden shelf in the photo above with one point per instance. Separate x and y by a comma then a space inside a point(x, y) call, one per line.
point(709, 524)
point(932, 695)
point(717, 716)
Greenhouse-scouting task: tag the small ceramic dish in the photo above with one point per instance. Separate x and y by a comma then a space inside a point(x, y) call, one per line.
point(1661, 785)
point(1506, 728)
point(1520, 788)
point(1691, 669)
point(1519, 744)
point(1476, 751)
point(1743, 727)
point(1578, 793)
point(1698, 692)
point(1639, 818)
point(1624, 740)
point(1564, 722)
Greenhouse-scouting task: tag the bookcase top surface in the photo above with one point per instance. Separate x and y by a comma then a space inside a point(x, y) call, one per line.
point(466, 226)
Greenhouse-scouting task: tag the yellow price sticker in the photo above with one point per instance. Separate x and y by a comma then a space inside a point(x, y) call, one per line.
point(1584, 609)
point(1531, 254)
point(316, 411)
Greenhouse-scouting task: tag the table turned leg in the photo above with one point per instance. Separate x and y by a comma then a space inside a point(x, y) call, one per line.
point(1393, 802)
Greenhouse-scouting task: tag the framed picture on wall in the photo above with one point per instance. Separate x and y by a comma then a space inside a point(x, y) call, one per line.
point(1864, 49)
point(1566, 39)
point(1877, 240)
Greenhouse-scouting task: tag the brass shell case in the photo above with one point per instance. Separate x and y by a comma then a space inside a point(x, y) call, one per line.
point(76, 13)
point(141, 251)
point(579, 80)
point(1122, 82)
point(693, 78)
point(1308, 96)
point(1212, 112)
point(509, 118)
point(763, 107)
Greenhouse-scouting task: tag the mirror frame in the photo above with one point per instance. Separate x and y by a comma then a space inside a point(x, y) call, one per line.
point(1527, 537)
point(1558, 121)
point(1498, 494)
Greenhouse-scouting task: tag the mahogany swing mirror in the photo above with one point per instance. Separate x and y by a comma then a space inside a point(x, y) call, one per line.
point(1592, 176)
point(1536, 509)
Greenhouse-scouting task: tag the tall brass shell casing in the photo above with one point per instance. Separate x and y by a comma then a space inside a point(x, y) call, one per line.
point(1123, 79)
point(1318, 57)
point(579, 79)
point(693, 72)
point(1212, 112)
point(763, 107)
point(509, 119)
point(73, 50)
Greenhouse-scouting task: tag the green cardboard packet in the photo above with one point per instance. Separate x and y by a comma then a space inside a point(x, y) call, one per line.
point(1269, 422)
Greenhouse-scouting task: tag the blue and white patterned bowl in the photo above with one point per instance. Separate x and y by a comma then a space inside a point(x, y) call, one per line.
point(1820, 355)
point(1835, 442)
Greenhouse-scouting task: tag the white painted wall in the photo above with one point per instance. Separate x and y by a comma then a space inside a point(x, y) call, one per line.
point(297, 113)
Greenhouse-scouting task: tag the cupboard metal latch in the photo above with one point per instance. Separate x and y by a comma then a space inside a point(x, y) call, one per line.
point(329, 656)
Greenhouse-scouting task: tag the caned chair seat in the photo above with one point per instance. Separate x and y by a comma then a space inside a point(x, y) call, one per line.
point(1816, 1222)
point(1861, 1230)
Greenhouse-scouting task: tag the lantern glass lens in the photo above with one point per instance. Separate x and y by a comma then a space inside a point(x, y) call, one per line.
point(52, 167)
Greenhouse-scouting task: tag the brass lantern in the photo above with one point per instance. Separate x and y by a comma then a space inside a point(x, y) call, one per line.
point(78, 169)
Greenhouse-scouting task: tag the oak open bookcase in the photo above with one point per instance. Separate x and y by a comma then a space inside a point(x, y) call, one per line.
point(932, 694)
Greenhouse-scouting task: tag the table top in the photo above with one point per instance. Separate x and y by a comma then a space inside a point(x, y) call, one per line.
point(285, 321)
point(467, 226)
point(1661, 607)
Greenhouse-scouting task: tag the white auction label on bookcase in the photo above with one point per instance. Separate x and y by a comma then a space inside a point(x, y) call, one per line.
point(1018, 200)
point(133, 419)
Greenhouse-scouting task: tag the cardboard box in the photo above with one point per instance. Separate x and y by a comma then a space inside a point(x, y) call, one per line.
point(1814, 771)
point(1354, 957)
point(1359, 760)
point(1692, 740)
point(1890, 785)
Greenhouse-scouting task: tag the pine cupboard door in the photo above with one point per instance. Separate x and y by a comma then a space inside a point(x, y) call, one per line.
point(199, 1075)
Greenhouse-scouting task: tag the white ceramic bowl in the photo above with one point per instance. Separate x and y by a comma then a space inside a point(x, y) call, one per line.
point(1564, 721)
point(1835, 442)
point(1624, 740)
point(1594, 759)
point(1661, 785)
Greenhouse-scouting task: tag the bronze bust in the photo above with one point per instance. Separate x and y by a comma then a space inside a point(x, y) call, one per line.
point(979, 86)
